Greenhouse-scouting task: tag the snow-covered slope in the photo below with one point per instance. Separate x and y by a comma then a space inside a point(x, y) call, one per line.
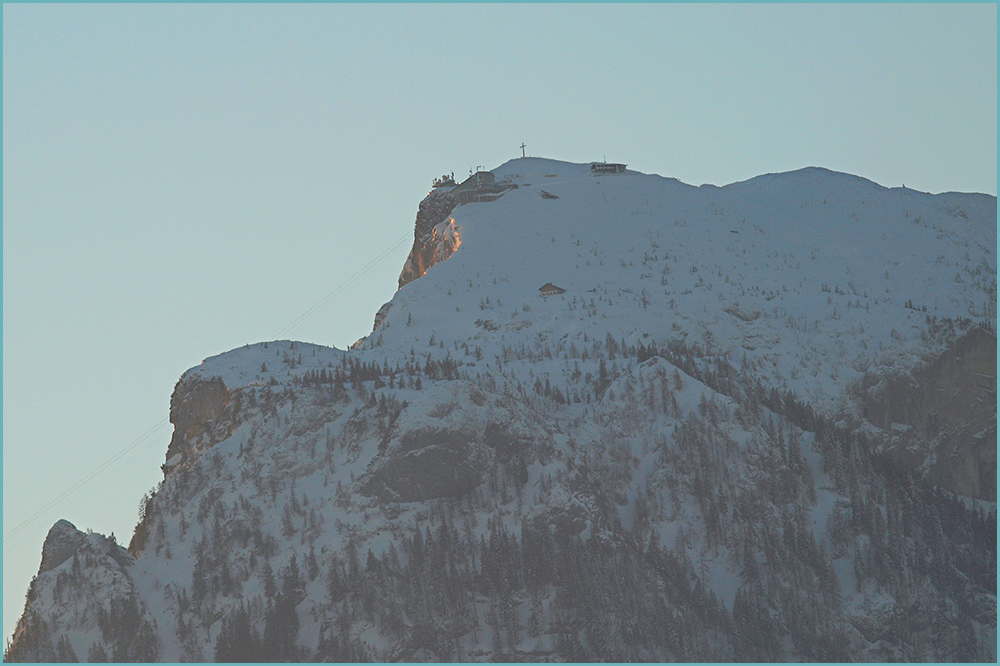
point(741, 431)
point(820, 263)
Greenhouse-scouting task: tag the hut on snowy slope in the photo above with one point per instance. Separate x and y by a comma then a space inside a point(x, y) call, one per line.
point(481, 186)
point(548, 289)
point(598, 168)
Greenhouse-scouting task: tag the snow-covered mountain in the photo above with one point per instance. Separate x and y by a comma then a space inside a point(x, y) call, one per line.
point(747, 422)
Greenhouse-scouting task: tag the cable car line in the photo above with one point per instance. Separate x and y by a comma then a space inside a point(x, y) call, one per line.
point(131, 447)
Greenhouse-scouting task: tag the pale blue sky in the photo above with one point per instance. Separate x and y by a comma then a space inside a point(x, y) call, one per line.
point(179, 180)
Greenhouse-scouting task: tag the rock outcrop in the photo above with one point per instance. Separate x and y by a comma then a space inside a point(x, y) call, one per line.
point(89, 572)
point(431, 245)
point(681, 459)
point(942, 418)
point(203, 412)
point(61, 543)
point(435, 449)
point(429, 464)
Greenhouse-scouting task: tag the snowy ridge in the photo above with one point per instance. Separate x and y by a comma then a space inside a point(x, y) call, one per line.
point(814, 252)
point(257, 364)
point(712, 445)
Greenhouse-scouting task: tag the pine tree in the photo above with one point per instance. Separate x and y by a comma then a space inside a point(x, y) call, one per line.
point(281, 629)
point(97, 653)
point(64, 651)
point(237, 640)
point(270, 585)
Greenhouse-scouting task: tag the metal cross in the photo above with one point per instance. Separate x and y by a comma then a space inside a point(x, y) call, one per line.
point(522, 149)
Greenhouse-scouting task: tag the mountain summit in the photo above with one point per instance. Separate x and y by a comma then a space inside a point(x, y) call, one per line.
point(607, 416)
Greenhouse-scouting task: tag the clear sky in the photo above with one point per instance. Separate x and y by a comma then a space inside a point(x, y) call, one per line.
point(180, 180)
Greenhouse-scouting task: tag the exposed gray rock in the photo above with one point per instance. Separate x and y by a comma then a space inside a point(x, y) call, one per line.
point(382, 313)
point(203, 412)
point(62, 541)
point(951, 404)
point(428, 464)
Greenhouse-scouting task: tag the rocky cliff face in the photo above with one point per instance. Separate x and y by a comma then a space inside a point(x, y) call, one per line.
point(433, 238)
point(90, 573)
point(941, 418)
point(733, 436)
point(443, 456)
point(62, 542)
point(203, 413)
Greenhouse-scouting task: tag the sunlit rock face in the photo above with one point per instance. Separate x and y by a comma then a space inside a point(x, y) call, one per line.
point(433, 239)
point(749, 425)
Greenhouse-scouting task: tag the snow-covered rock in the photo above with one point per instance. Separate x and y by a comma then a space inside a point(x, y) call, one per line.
point(61, 543)
point(756, 424)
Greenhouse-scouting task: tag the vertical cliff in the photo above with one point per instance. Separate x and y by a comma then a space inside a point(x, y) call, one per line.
point(735, 435)
point(432, 241)
point(941, 417)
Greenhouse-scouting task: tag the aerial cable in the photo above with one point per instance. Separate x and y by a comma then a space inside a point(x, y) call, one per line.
point(128, 463)
point(307, 315)
point(76, 486)
point(315, 309)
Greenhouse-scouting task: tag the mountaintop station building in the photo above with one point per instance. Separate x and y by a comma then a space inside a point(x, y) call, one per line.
point(481, 186)
point(598, 168)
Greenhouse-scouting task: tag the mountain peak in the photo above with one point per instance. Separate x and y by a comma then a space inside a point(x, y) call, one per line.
point(61, 543)
point(760, 415)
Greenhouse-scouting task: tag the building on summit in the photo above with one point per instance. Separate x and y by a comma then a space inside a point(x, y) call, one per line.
point(481, 186)
point(598, 168)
